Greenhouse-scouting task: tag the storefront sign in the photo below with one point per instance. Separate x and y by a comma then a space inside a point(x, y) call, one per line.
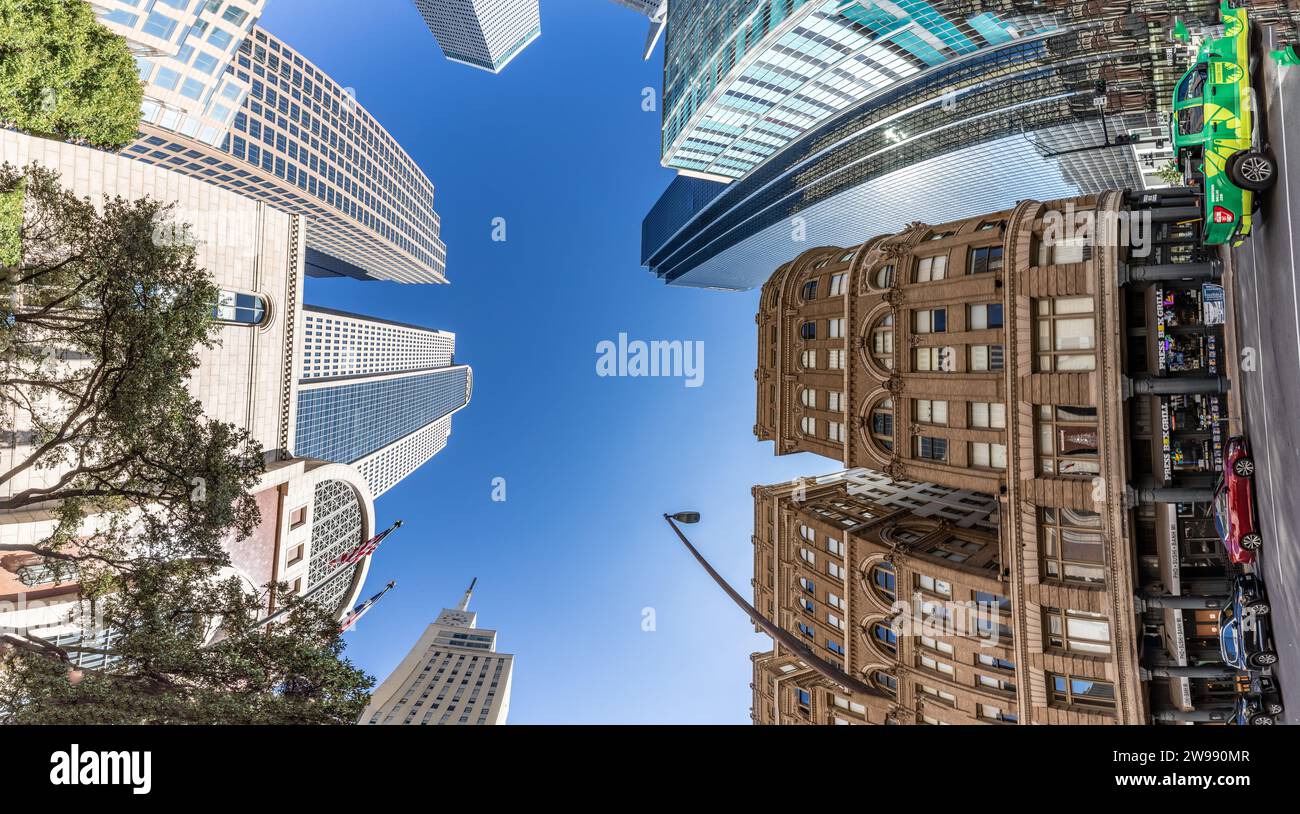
point(1213, 305)
point(1164, 437)
point(1160, 329)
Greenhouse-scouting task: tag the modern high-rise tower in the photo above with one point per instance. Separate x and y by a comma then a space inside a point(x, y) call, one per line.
point(485, 34)
point(453, 675)
point(182, 54)
point(657, 11)
point(375, 394)
point(302, 143)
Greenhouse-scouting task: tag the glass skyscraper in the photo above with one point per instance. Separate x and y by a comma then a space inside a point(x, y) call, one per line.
point(375, 394)
point(182, 48)
point(948, 109)
point(301, 143)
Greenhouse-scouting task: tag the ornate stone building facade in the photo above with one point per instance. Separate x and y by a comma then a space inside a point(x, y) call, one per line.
point(836, 559)
point(1019, 354)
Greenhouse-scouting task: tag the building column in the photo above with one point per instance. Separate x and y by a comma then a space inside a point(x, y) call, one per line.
point(1146, 494)
point(1188, 602)
point(1176, 671)
point(1170, 272)
point(1131, 386)
point(1197, 715)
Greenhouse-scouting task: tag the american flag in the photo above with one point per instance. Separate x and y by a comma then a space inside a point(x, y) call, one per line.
point(366, 548)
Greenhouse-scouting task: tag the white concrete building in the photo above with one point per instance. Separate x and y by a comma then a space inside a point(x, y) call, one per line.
point(182, 48)
point(485, 34)
point(452, 676)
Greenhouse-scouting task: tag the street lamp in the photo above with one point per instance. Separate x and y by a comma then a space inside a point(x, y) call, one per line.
point(778, 633)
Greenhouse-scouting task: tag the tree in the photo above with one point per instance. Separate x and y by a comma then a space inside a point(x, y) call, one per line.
point(1170, 173)
point(64, 74)
point(100, 322)
point(165, 666)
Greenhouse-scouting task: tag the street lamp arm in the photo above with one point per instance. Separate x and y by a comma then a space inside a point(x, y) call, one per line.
point(780, 634)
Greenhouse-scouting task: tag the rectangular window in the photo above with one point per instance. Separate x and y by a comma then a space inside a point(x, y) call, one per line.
point(1076, 631)
point(1086, 694)
point(297, 517)
point(834, 431)
point(987, 259)
point(934, 586)
point(932, 268)
point(931, 412)
point(837, 284)
point(834, 402)
point(1071, 545)
point(932, 449)
point(988, 416)
point(986, 357)
point(1064, 250)
point(836, 327)
point(988, 456)
point(835, 360)
point(930, 320)
point(933, 360)
point(1067, 441)
point(295, 554)
point(1066, 334)
point(984, 316)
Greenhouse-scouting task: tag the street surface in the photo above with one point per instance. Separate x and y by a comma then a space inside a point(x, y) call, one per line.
point(1267, 312)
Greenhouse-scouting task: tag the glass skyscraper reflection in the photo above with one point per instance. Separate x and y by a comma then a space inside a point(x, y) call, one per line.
point(375, 394)
point(954, 108)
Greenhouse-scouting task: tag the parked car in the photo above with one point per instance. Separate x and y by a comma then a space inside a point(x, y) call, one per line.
point(1245, 637)
point(1260, 705)
point(1215, 132)
point(1234, 503)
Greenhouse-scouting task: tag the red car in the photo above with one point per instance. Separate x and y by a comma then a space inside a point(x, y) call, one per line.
point(1234, 503)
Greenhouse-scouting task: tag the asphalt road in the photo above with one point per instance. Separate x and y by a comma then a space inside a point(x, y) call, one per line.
point(1266, 286)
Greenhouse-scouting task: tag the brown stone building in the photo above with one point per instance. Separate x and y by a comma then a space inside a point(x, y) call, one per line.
point(838, 557)
point(1029, 354)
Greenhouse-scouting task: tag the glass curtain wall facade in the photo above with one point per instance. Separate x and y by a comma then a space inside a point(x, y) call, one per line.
point(303, 144)
point(1032, 115)
point(182, 49)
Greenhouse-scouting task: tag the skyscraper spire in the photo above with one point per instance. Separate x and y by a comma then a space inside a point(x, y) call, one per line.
point(464, 601)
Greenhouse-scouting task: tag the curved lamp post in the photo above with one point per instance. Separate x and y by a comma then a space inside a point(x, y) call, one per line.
point(779, 634)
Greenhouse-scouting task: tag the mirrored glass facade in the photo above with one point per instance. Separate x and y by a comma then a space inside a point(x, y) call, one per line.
point(301, 143)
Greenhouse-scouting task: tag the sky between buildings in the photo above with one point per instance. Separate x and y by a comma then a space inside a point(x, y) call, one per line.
point(558, 145)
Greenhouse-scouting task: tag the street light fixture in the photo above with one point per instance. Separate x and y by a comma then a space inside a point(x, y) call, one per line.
point(779, 634)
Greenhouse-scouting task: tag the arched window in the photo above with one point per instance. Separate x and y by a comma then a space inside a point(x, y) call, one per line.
point(882, 424)
point(810, 290)
point(882, 342)
point(885, 637)
point(884, 277)
point(885, 682)
point(242, 309)
point(882, 580)
point(808, 330)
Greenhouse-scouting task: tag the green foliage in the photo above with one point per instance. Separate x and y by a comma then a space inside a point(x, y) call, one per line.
point(186, 650)
point(64, 74)
point(11, 225)
point(100, 349)
point(1170, 174)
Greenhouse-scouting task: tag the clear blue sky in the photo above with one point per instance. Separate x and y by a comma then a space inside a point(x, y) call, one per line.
point(559, 146)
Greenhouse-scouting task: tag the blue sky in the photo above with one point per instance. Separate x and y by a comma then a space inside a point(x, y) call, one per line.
point(559, 146)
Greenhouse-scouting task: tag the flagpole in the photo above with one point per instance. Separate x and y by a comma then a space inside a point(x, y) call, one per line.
point(344, 566)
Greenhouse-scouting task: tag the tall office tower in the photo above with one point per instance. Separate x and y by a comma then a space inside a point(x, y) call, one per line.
point(484, 34)
point(453, 675)
point(835, 559)
point(311, 511)
point(182, 50)
point(657, 11)
point(818, 120)
point(303, 144)
point(375, 394)
point(1023, 354)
